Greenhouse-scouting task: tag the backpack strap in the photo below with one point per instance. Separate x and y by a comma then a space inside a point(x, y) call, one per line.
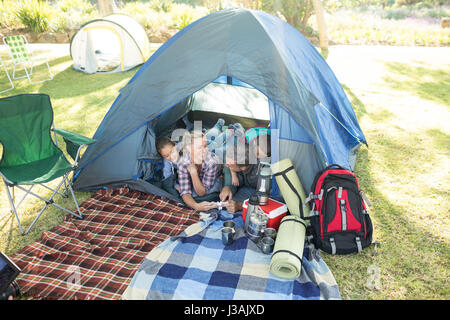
point(333, 246)
point(358, 244)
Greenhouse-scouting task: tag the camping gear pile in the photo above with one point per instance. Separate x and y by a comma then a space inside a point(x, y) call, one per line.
point(340, 222)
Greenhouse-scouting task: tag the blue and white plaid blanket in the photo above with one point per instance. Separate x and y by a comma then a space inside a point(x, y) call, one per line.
point(196, 265)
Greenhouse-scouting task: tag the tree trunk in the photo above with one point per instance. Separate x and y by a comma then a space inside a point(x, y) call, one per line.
point(106, 7)
point(323, 35)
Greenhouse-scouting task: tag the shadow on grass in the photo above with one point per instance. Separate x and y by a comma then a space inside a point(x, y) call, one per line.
point(427, 83)
point(411, 259)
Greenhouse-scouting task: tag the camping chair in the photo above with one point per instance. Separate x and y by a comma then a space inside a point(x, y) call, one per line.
point(30, 156)
point(7, 74)
point(21, 54)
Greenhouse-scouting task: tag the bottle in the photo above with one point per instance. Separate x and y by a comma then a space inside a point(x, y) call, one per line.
point(264, 185)
point(213, 133)
point(238, 130)
point(218, 145)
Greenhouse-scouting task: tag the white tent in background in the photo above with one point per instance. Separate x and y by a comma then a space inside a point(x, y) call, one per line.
point(112, 44)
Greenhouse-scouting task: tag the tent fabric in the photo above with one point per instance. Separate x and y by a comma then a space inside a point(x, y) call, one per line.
point(305, 100)
point(112, 44)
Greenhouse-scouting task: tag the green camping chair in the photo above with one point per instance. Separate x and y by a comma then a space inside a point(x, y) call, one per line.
point(30, 156)
point(21, 54)
point(7, 74)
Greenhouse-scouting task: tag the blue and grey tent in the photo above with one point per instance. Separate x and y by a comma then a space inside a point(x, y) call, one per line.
point(251, 57)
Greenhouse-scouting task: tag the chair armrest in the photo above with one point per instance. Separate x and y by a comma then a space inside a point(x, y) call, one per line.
point(74, 142)
point(75, 138)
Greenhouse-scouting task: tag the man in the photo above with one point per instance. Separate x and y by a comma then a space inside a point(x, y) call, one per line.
point(240, 161)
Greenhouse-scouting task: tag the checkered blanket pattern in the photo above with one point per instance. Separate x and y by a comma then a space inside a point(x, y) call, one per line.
point(196, 265)
point(95, 258)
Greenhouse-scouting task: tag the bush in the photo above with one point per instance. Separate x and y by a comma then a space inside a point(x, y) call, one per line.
point(35, 15)
point(183, 15)
point(72, 14)
point(8, 16)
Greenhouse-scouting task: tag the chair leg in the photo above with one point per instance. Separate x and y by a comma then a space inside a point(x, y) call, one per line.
point(13, 207)
point(61, 194)
point(9, 78)
point(81, 216)
point(28, 74)
point(50, 201)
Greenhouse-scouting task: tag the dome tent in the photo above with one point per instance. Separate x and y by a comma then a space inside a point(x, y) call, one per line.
point(315, 120)
point(114, 43)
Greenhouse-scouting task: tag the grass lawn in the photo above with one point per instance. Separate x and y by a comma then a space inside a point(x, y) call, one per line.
point(402, 99)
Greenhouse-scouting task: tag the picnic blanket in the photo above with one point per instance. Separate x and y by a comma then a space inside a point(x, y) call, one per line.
point(196, 265)
point(95, 258)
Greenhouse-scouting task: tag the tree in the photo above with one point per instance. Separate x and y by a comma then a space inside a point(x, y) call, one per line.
point(296, 12)
point(323, 34)
point(106, 7)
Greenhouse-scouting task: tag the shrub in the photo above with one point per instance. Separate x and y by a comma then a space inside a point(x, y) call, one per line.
point(72, 14)
point(35, 15)
point(8, 17)
point(183, 15)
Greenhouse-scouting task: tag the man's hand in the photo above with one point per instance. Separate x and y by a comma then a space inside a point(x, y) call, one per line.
point(233, 206)
point(205, 206)
point(192, 169)
point(226, 194)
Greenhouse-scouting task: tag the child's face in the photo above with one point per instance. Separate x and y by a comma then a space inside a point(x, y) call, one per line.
point(169, 152)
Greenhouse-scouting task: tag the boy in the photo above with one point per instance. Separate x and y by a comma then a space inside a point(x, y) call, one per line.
point(171, 155)
point(258, 141)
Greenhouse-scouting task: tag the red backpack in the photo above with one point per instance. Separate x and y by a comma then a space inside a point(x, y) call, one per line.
point(339, 217)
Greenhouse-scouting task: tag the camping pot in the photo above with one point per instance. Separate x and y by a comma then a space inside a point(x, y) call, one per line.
point(264, 184)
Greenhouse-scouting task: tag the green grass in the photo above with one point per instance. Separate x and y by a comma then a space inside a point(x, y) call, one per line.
point(403, 109)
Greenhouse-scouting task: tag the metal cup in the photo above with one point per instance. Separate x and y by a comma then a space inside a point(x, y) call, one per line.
point(229, 224)
point(227, 235)
point(270, 232)
point(266, 244)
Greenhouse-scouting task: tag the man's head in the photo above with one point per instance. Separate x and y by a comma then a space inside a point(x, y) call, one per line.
point(194, 142)
point(238, 157)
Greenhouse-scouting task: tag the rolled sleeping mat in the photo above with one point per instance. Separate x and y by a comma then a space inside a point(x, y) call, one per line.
point(287, 254)
point(290, 186)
